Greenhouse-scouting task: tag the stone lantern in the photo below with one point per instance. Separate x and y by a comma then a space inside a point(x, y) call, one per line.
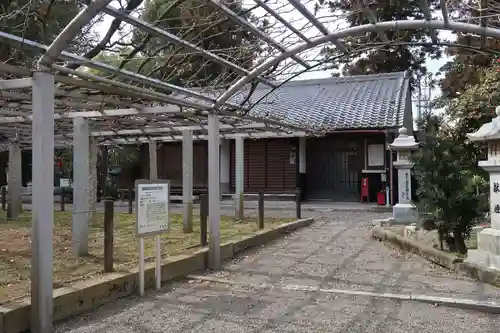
point(404, 212)
point(488, 240)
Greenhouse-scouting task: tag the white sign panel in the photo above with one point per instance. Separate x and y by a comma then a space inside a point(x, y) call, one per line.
point(376, 155)
point(152, 201)
point(64, 182)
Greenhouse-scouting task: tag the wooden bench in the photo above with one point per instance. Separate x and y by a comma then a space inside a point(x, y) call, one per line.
point(197, 190)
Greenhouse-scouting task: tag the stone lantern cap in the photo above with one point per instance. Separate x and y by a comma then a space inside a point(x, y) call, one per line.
point(489, 131)
point(404, 141)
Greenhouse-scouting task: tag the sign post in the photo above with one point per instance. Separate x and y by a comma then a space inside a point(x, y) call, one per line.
point(152, 219)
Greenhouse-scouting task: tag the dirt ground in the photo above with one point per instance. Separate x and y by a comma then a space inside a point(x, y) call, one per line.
point(15, 247)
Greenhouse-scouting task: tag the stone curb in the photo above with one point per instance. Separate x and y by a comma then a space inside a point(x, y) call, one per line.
point(428, 252)
point(441, 258)
point(87, 295)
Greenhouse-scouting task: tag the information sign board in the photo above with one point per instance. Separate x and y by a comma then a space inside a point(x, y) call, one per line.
point(152, 206)
point(64, 182)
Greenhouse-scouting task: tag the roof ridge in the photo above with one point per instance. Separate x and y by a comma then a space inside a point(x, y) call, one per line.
point(329, 80)
point(348, 78)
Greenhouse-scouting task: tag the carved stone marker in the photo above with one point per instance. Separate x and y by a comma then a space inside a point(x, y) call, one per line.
point(488, 240)
point(404, 212)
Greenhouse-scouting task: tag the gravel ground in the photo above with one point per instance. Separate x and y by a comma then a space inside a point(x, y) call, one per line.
point(335, 252)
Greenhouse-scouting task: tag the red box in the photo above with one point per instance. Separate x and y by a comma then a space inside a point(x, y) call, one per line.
point(381, 198)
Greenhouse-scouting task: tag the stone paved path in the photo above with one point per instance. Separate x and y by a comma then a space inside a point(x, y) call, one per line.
point(335, 252)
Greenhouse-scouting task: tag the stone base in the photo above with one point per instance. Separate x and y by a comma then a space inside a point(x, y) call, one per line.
point(404, 214)
point(488, 240)
point(484, 259)
point(495, 224)
point(488, 252)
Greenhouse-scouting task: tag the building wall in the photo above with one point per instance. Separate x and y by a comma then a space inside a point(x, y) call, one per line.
point(337, 162)
point(169, 157)
point(270, 165)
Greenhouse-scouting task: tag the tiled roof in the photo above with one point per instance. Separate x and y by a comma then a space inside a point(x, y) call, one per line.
point(362, 101)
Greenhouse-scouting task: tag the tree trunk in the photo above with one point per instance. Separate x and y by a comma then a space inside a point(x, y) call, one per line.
point(450, 243)
point(459, 242)
point(441, 236)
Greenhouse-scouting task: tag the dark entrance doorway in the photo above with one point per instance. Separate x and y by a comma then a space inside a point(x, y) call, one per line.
point(333, 169)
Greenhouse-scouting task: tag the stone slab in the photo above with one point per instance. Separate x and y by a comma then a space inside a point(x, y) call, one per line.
point(495, 224)
point(484, 258)
point(441, 258)
point(480, 273)
point(488, 240)
point(87, 295)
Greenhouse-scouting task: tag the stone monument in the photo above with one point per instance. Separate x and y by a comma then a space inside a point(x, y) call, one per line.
point(488, 240)
point(404, 212)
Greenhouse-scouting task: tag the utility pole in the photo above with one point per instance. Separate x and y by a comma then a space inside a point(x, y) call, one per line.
point(429, 89)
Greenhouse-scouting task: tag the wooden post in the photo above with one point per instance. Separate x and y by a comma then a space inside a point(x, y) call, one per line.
point(63, 194)
point(131, 200)
point(203, 219)
point(261, 209)
point(108, 234)
point(4, 198)
point(9, 211)
point(297, 204)
point(104, 172)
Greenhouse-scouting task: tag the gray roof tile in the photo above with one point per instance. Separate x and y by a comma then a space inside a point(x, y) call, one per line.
point(363, 101)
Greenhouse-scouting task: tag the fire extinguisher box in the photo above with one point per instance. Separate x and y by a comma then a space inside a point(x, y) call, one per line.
point(381, 198)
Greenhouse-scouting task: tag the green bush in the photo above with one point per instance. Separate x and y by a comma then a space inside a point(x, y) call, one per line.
point(449, 190)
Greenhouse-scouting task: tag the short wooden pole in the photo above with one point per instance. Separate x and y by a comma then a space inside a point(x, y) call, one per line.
point(108, 234)
point(4, 198)
point(261, 209)
point(131, 200)
point(297, 204)
point(62, 202)
point(203, 219)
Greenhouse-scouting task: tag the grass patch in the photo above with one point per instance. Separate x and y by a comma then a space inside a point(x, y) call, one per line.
point(15, 247)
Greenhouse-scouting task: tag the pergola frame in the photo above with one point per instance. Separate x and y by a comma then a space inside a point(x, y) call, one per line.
point(54, 105)
point(135, 120)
